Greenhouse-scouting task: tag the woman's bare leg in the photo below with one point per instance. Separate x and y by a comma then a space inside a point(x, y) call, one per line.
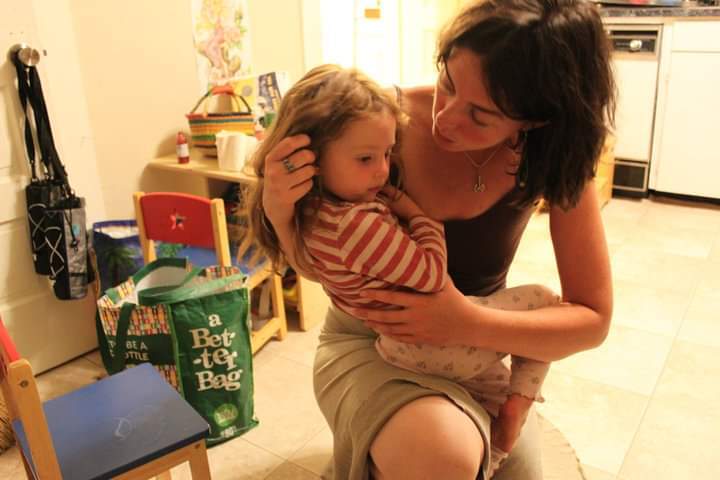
point(428, 438)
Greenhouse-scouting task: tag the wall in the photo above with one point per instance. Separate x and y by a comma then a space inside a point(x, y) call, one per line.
point(140, 78)
point(66, 100)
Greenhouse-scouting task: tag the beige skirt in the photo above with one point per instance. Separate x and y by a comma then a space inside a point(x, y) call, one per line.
point(358, 392)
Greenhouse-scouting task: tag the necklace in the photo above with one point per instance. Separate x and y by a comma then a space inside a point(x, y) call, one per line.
point(479, 186)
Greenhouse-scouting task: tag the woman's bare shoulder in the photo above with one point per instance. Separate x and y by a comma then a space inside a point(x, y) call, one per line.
point(417, 96)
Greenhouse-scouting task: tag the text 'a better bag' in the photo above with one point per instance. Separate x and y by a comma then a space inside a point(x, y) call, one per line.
point(193, 325)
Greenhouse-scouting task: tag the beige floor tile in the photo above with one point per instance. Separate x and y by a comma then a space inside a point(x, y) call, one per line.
point(715, 251)
point(298, 346)
point(536, 246)
point(679, 435)
point(667, 238)
point(316, 454)
point(68, 377)
point(290, 471)
point(690, 375)
point(11, 464)
point(702, 321)
point(618, 229)
point(657, 269)
point(235, 459)
point(598, 420)
point(629, 359)
point(592, 473)
point(625, 209)
point(285, 406)
point(709, 283)
point(649, 309)
point(683, 215)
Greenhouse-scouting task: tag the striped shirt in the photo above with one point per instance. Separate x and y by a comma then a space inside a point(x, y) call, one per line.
point(358, 246)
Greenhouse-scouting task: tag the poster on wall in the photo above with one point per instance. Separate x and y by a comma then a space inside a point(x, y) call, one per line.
point(222, 41)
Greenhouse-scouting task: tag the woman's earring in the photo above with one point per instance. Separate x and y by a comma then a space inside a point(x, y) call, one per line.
point(519, 143)
point(523, 173)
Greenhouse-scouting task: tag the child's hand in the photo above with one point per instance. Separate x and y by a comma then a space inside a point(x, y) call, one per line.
point(400, 204)
point(509, 422)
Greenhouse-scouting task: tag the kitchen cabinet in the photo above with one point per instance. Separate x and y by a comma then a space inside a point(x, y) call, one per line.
point(688, 156)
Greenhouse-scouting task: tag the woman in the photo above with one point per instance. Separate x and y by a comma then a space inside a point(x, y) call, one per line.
point(518, 113)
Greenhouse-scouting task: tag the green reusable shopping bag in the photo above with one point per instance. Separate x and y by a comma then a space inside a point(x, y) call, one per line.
point(211, 342)
point(130, 334)
point(193, 325)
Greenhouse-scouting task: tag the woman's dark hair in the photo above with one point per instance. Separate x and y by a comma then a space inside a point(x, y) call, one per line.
point(547, 62)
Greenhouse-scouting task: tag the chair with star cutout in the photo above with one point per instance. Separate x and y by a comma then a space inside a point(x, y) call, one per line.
point(196, 221)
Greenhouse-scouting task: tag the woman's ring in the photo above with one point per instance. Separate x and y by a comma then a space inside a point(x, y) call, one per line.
point(288, 165)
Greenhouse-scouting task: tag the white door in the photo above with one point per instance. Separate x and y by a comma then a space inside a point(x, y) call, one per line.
point(393, 41)
point(420, 24)
point(46, 331)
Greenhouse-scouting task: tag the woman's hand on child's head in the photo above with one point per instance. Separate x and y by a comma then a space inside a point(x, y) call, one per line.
point(400, 203)
point(289, 170)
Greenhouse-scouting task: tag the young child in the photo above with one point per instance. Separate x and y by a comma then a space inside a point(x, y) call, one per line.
point(355, 232)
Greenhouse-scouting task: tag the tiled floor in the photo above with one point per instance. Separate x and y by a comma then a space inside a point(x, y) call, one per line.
point(643, 405)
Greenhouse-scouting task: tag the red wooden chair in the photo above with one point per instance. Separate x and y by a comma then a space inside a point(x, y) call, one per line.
point(200, 222)
point(132, 425)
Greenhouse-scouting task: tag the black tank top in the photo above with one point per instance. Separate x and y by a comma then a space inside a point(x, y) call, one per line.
point(481, 249)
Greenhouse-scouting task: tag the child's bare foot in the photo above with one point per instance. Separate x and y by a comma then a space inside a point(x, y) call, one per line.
point(509, 422)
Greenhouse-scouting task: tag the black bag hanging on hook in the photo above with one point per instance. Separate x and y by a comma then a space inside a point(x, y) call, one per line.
point(56, 216)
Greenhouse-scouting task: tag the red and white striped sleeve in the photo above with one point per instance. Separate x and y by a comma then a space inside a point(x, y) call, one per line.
point(370, 242)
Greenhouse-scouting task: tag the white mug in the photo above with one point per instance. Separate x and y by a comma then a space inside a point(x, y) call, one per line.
point(234, 148)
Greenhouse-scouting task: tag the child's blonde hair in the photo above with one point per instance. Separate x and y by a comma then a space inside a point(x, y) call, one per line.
point(321, 105)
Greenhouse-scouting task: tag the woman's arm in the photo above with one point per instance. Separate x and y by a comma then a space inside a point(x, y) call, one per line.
point(579, 323)
point(283, 189)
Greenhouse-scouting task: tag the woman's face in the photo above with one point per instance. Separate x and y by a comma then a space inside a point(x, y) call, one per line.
point(464, 115)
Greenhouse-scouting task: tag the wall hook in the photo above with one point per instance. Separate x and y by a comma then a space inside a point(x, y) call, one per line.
point(27, 55)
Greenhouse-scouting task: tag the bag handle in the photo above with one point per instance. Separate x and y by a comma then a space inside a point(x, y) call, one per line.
point(31, 93)
point(222, 90)
point(118, 356)
point(152, 291)
point(181, 263)
point(23, 93)
point(152, 296)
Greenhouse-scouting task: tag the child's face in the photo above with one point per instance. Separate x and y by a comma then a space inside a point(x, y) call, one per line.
point(355, 166)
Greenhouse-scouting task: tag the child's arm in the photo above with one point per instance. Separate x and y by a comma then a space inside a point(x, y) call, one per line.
point(372, 244)
point(375, 246)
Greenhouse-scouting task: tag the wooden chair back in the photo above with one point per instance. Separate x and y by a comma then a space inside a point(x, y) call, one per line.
point(181, 218)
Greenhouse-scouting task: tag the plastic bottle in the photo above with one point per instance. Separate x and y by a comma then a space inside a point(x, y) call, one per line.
point(181, 147)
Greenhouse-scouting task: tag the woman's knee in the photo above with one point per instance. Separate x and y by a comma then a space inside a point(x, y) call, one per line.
point(428, 438)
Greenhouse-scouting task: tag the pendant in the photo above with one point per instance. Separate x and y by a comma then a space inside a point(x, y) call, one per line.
point(479, 185)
